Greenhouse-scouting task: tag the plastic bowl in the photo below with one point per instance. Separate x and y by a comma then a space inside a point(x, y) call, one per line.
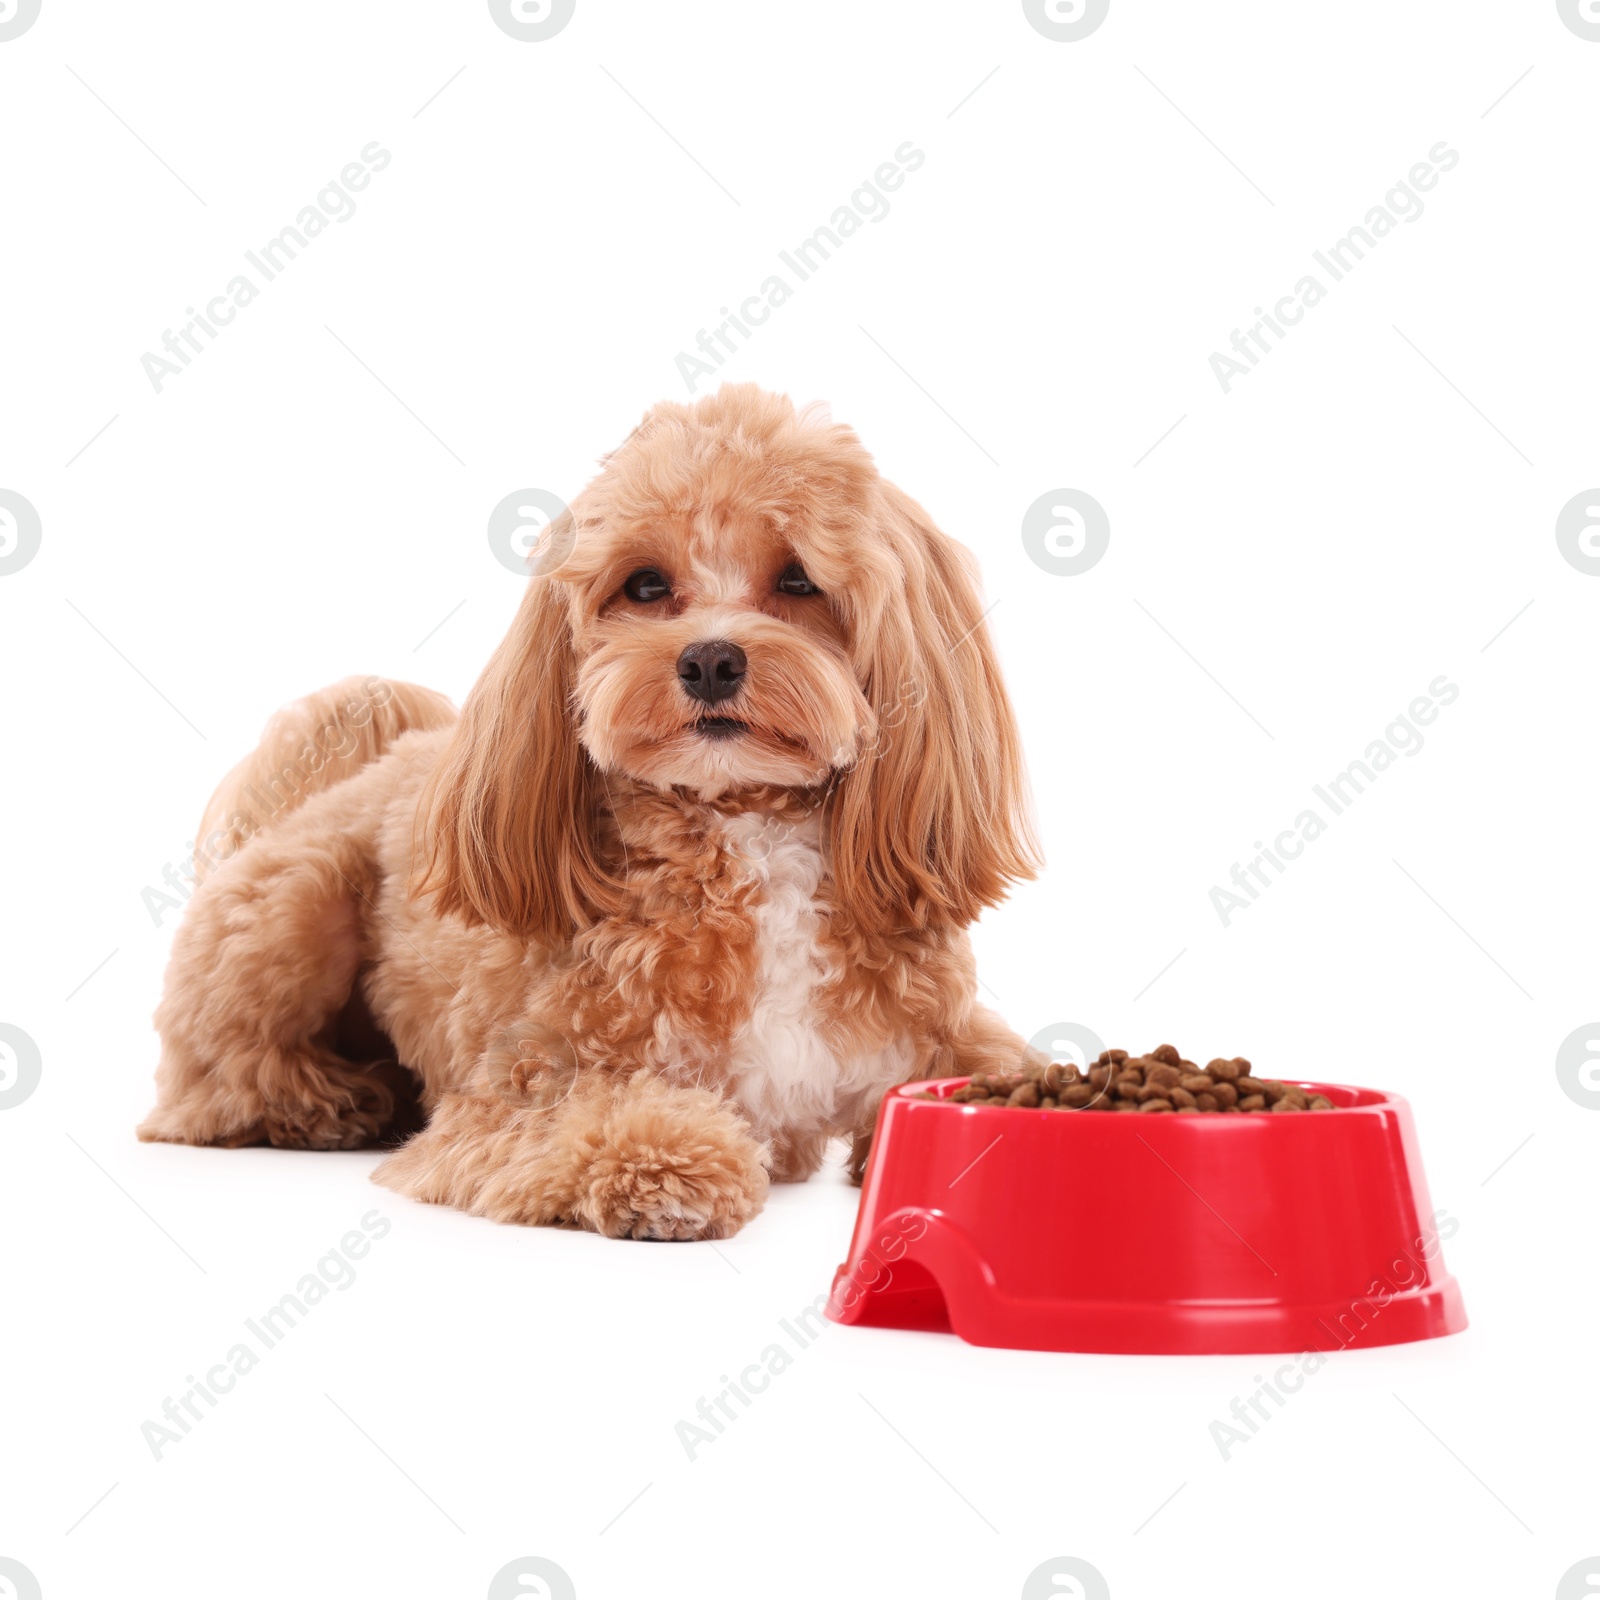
point(1098, 1231)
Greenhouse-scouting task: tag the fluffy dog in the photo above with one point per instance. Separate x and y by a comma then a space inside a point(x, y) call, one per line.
point(679, 895)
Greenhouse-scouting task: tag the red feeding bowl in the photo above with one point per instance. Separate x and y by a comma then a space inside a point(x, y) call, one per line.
point(1097, 1231)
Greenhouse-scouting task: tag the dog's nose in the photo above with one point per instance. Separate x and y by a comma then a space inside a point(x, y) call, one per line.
point(712, 671)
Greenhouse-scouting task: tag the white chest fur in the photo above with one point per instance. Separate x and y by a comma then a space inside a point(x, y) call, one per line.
point(789, 1068)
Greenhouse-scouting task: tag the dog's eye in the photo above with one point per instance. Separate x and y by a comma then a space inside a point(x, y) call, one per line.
point(793, 580)
point(647, 586)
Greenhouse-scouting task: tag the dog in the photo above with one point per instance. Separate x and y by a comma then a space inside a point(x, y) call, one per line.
point(677, 898)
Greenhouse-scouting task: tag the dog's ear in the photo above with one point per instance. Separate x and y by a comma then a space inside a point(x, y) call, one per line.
point(930, 822)
point(509, 825)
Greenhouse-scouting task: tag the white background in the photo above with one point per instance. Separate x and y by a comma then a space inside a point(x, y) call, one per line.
point(1289, 567)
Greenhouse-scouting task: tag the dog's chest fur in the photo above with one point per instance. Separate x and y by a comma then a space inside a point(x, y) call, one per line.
point(791, 1057)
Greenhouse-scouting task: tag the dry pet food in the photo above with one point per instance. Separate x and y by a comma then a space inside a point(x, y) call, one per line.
point(1160, 1081)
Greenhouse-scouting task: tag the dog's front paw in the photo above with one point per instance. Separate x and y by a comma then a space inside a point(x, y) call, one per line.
point(668, 1163)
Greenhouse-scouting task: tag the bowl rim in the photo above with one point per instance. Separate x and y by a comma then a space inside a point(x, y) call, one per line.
point(1387, 1100)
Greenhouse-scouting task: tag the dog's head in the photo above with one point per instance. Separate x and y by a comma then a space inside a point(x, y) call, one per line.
point(738, 600)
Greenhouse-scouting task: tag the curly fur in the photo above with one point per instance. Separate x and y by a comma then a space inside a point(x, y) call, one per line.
point(625, 972)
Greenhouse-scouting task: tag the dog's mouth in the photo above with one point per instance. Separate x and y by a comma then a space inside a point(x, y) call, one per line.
point(751, 737)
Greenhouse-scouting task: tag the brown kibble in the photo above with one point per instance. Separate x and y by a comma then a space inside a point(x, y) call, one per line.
point(1119, 1081)
point(1188, 1111)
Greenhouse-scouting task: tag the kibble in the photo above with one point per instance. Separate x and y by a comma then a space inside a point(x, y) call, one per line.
point(1162, 1081)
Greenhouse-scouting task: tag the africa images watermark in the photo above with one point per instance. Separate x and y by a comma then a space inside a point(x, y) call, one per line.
point(806, 1328)
point(335, 1270)
point(21, 532)
point(1401, 204)
point(867, 204)
point(872, 1273)
point(1401, 738)
point(283, 790)
point(334, 203)
point(1404, 1273)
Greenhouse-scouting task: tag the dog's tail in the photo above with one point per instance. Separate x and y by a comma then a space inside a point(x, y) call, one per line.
point(307, 747)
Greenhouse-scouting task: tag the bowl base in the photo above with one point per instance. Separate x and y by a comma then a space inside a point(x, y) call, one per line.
point(940, 1285)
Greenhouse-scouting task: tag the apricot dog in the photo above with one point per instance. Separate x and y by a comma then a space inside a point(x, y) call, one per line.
point(679, 895)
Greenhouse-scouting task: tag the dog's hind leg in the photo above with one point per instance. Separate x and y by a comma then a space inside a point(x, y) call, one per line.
point(262, 966)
